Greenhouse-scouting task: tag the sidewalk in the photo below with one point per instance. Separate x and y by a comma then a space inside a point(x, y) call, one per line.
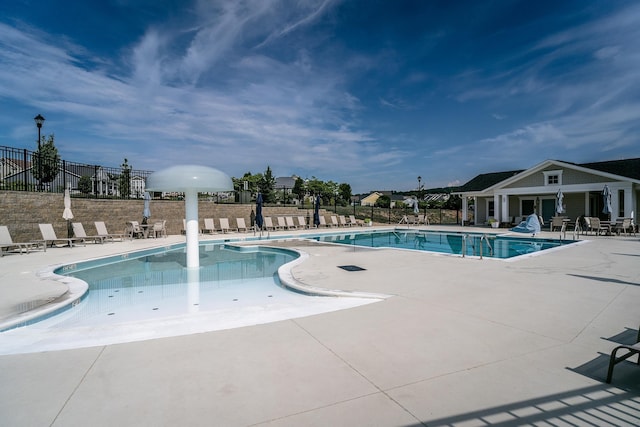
point(462, 341)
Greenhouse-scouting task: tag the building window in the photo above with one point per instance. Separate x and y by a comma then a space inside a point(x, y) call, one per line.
point(553, 177)
point(491, 209)
point(621, 203)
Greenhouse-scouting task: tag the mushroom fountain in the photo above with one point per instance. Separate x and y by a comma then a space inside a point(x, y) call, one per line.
point(190, 179)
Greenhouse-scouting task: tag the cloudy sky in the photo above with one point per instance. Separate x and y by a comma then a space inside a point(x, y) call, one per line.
point(372, 93)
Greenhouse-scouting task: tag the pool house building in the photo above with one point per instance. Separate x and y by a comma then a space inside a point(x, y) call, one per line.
point(508, 196)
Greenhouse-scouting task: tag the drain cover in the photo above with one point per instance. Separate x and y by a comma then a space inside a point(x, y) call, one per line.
point(351, 268)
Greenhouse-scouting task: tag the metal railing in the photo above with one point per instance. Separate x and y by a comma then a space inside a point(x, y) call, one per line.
point(20, 170)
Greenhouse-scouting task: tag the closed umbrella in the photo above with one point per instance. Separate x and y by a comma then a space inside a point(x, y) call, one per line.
point(559, 198)
point(67, 214)
point(259, 219)
point(606, 198)
point(146, 212)
point(316, 212)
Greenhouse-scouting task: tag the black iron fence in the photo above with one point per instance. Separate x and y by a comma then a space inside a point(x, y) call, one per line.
point(23, 170)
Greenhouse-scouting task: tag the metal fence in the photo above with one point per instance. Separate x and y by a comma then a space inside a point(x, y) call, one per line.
point(20, 170)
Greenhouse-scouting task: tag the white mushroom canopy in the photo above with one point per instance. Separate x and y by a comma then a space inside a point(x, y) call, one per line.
point(183, 178)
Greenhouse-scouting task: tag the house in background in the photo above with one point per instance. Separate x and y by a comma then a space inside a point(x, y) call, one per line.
point(509, 196)
point(371, 199)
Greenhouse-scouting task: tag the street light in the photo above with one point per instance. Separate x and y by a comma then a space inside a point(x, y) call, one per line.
point(39, 121)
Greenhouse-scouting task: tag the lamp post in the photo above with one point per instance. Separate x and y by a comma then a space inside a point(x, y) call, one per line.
point(39, 121)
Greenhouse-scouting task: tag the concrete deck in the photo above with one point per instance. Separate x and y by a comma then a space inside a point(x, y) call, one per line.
point(462, 342)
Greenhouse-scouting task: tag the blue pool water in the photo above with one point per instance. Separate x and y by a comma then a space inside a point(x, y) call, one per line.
point(468, 244)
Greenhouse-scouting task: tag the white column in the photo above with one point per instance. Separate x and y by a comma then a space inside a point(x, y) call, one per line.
point(496, 207)
point(465, 208)
point(191, 214)
point(586, 204)
point(628, 202)
point(505, 208)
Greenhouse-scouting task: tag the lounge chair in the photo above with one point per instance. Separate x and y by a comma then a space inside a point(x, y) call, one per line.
point(354, 221)
point(101, 229)
point(302, 222)
point(224, 225)
point(624, 225)
point(290, 224)
point(343, 221)
point(78, 231)
point(631, 350)
point(7, 244)
point(159, 229)
point(334, 221)
point(209, 226)
point(268, 223)
point(242, 225)
point(323, 222)
point(282, 224)
point(50, 239)
point(597, 227)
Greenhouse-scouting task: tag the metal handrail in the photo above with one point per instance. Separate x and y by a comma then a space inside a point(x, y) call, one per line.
point(486, 239)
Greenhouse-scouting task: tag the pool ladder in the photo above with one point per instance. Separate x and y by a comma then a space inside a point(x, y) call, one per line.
point(483, 238)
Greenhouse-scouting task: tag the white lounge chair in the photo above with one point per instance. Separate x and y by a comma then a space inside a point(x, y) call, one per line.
point(242, 225)
point(282, 224)
point(78, 231)
point(354, 221)
point(268, 223)
point(50, 239)
point(101, 229)
point(334, 221)
point(323, 222)
point(224, 225)
point(343, 221)
point(7, 244)
point(290, 224)
point(209, 226)
point(302, 222)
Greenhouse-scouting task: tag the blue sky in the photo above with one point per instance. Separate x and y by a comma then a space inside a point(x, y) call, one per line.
point(372, 93)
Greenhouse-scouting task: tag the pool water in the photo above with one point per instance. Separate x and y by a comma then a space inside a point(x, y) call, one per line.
point(468, 244)
point(147, 295)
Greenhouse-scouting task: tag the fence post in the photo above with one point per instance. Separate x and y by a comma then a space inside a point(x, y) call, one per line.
point(64, 174)
point(26, 180)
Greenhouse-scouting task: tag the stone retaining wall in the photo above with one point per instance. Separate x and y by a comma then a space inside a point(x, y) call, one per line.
point(22, 211)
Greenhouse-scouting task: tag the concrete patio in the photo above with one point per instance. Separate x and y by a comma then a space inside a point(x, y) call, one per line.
point(462, 342)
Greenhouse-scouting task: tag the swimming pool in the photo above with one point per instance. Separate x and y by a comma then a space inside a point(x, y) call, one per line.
point(465, 244)
point(149, 294)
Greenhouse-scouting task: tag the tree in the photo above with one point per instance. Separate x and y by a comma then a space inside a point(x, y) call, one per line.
point(344, 191)
point(124, 182)
point(298, 189)
point(46, 160)
point(266, 184)
point(383, 201)
point(85, 185)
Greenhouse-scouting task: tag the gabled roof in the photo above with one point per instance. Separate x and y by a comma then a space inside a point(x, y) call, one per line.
point(486, 180)
point(629, 168)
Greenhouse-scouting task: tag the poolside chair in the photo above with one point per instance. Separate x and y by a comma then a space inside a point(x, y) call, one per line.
point(268, 223)
point(224, 225)
point(343, 221)
point(624, 225)
point(282, 224)
point(323, 222)
point(7, 244)
point(302, 222)
point(242, 225)
point(556, 222)
point(133, 229)
point(334, 221)
point(159, 229)
point(597, 227)
point(209, 226)
point(290, 224)
point(49, 237)
point(354, 221)
point(631, 350)
point(78, 231)
point(101, 229)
